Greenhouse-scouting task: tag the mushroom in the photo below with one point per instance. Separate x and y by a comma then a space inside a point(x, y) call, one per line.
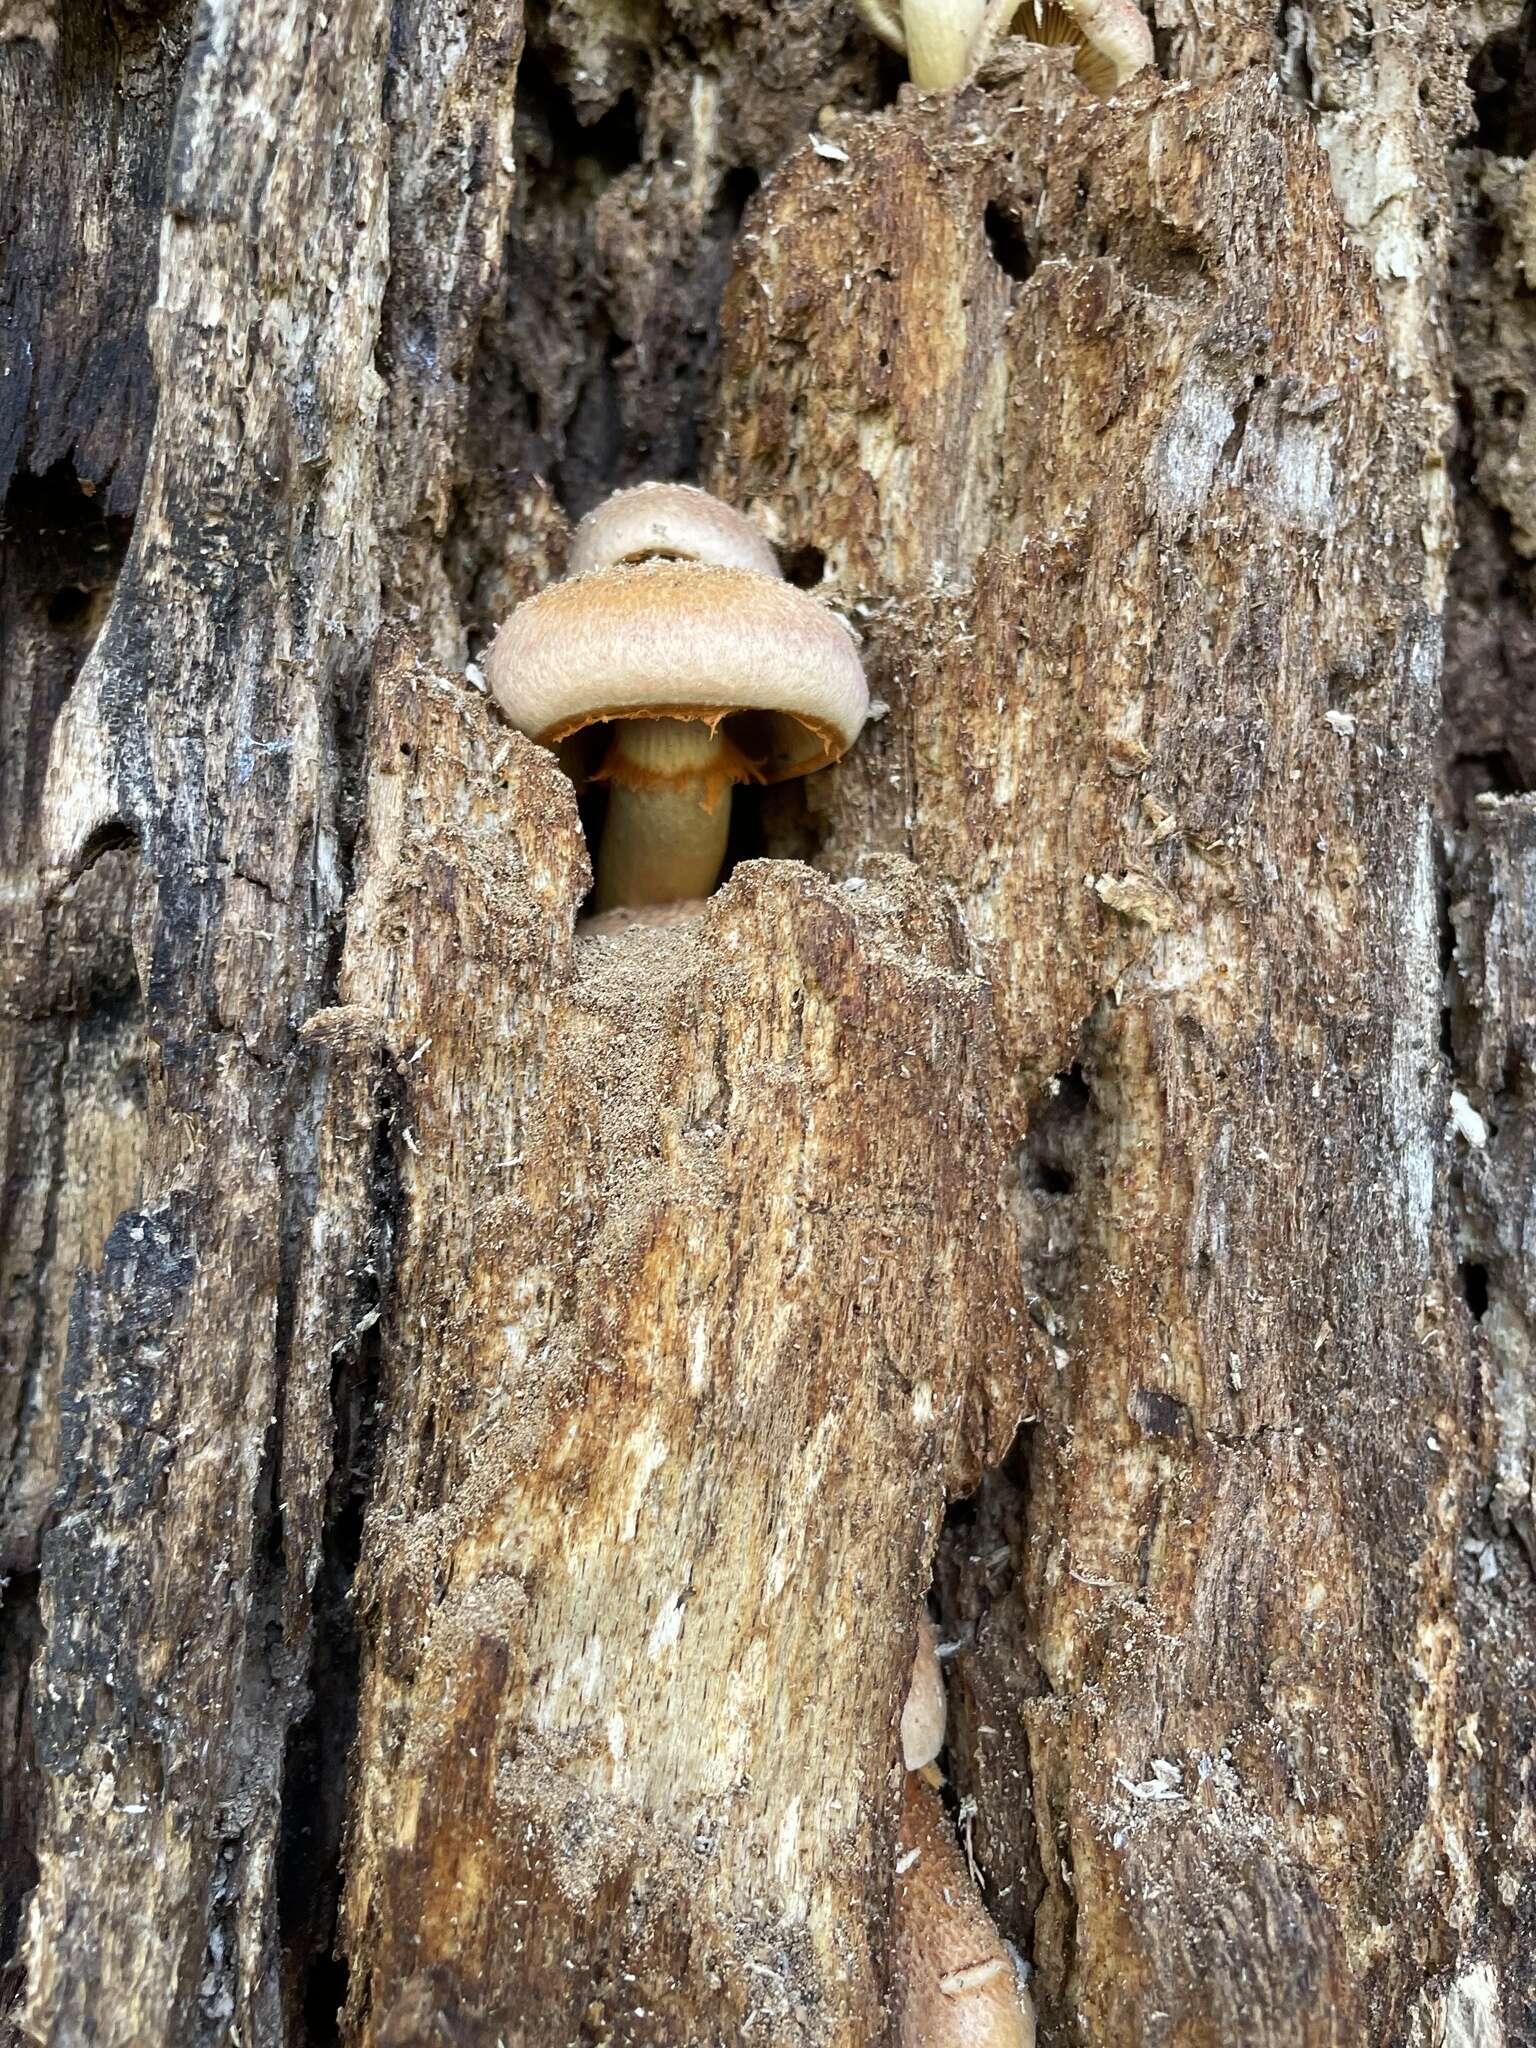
point(956, 1978)
point(1112, 39)
point(673, 522)
point(709, 670)
point(922, 1716)
point(939, 38)
point(943, 43)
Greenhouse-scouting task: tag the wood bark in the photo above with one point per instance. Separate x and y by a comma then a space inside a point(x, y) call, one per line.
point(486, 1400)
point(649, 1538)
point(1230, 1574)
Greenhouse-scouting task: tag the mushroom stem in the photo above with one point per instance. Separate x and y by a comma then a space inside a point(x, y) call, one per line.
point(941, 42)
point(669, 811)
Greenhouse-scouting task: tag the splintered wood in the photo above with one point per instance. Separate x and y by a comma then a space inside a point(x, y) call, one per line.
point(641, 1298)
point(705, 1293)
point(1088, 410)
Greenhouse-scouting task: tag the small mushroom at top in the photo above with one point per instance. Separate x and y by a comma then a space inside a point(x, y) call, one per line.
point(956, 1979)
point(668, 522)
point(708, 669)
point(944, 40)
point(940, 39)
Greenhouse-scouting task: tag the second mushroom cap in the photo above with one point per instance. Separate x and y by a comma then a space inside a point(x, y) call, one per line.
point(676, 522)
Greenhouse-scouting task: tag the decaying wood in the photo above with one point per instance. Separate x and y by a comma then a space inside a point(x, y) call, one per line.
point(683, 1344)
point(417, 1458)
point(1494, 916)
point(1491, 631)
point(75, 395)
point(1493, 913)
point(199, 725)
point(206, 724)
point(1182, 590)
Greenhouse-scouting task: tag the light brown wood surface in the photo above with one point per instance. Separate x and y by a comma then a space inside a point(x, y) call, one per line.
point(484, 1401)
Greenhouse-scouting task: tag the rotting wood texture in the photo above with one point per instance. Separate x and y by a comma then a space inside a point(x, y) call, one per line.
point(1164, 727)
point(199, 728)
point(1125, 434)
point(1493, 1016)
point(705, 1289)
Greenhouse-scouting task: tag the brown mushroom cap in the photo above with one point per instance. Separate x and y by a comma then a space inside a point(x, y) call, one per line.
point(673, 521)
point(923, 1712)
point(957, 1979)
point(685, 640)
point(1111, 36)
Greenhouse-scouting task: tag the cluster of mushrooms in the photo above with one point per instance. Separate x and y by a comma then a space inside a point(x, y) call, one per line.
point(671, 664)
point(944, 41)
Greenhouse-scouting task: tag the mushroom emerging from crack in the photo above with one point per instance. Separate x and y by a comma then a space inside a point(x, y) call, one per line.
point(944, 40)
point(681, 636)
point(957, 1980)
point(922, 1716)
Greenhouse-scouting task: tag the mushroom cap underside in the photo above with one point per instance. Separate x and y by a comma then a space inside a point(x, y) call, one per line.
point(1112, 36)
point(675, 521)
point(685, 640)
